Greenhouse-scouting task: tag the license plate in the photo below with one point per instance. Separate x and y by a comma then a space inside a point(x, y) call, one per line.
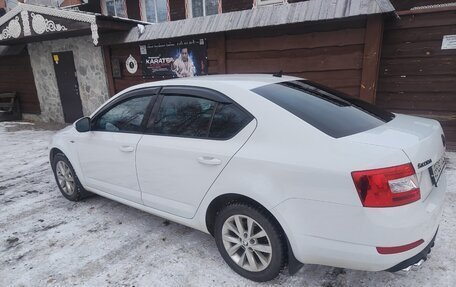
point(436, 170)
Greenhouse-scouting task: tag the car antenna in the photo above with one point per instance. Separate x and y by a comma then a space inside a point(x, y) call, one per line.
point(278, 75)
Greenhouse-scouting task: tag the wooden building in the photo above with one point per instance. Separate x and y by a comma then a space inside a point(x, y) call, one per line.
point(325, 41)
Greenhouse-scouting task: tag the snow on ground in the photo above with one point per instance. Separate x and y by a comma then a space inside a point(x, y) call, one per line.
point(48, 240)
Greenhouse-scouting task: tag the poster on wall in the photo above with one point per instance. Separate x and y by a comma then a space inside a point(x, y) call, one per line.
point(174, 60)
point(449, 42)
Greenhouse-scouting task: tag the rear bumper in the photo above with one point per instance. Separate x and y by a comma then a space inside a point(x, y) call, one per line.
point(347, 236)
point(415, 259)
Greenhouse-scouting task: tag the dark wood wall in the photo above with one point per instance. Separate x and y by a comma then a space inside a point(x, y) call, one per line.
point(16, 76)
point(416, 75)
point(331, 54)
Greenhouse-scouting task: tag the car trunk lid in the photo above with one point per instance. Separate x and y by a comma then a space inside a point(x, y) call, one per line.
point(420, 139)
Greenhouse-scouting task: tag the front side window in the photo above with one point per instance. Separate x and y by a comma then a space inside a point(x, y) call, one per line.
point(115, 8)
point(183, 116)
point(156, 11)
point(126, 116)
point(204, 7)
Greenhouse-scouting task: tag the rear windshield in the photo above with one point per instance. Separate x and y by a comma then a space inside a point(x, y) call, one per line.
point(332, 112)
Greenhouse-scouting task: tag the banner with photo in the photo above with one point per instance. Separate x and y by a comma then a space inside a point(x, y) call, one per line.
point(174, 60)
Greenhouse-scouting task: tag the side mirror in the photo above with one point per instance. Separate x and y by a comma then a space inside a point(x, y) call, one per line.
point(83, 125)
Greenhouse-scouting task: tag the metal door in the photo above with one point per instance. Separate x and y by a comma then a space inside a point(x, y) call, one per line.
point(67, 83)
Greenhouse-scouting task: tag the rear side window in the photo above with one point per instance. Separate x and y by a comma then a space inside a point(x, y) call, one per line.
point(331, 112)
point(228, 120)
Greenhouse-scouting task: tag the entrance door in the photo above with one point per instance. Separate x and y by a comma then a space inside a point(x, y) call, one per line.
point(67, 83)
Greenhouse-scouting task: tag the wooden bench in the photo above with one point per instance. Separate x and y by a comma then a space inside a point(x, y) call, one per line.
point(9, 107)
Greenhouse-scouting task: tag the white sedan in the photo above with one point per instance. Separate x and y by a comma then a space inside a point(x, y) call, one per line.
point(280, 170)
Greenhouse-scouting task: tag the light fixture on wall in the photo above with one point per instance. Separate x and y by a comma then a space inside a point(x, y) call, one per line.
point(141, 29)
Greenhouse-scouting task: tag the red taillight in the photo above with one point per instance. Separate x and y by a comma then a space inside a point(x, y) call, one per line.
point(399, 249)
point(387, 187)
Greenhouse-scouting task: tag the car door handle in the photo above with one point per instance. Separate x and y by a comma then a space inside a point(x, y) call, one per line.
point(126, 148)
point(208, 160)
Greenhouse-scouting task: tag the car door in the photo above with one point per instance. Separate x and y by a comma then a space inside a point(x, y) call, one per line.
point(107, 153)
point(191, 136)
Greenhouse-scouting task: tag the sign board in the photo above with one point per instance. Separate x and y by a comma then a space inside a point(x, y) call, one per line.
point(174, 60)
point(449, 42)
point(131, 64)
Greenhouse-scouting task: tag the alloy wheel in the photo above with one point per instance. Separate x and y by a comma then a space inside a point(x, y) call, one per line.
point(247, 243)
point(65, 178)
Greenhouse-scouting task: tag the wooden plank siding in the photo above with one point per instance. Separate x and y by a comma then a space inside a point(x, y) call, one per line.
point(329, 54)
point(16, 75)
point(416, 76)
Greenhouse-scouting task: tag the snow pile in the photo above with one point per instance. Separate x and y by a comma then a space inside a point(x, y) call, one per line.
point(47, 240)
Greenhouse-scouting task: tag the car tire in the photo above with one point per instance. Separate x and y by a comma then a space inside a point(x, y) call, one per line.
point(66, 179)
point(258, 254)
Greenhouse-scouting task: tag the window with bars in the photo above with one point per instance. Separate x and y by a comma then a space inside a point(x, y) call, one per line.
point(204, 7)
point(155, 11)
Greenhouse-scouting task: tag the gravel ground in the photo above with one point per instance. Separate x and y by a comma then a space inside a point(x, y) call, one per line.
point(46, 240)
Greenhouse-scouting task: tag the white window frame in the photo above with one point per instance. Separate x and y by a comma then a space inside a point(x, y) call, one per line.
point(142, 7)
point(257, 3)
point(190, 10)
point(104, 9)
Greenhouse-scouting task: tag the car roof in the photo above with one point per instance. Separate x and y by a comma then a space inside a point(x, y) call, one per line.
point(245, 81)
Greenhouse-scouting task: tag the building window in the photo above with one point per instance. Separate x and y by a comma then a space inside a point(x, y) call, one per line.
point(114, 8)
point(268, 2)
point(204, 7)
point(10, 4)
point(155, 11)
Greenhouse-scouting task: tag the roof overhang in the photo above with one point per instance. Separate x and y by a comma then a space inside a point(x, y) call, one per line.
point(262, 16)
point(31, 23)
